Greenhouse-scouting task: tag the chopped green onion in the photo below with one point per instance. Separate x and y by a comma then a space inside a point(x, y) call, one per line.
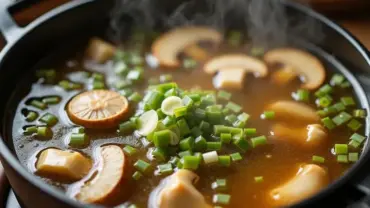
point(322, 113)
point(200, 144)
point(328, 123)
point(318, 159)
point(189, 63)
point(250, 131)
point(49, 119)
point(210, 157)
point(174, 160)
point(358, 138)
point(30, 130)
point(268, 115)
point(185, 153)
point(233, 107)
point(235, 38)
point(339, 107)
point(353, 156)
point(154, 99)
point(236, 156)
point(171, 92)
point(218, 129)
point(194, 97)
point(137, 175)
point(200, 113)
point(127, 127)
point(97, 77)
point(181, 111)
point(359, 113)
point(190, 162)
point(223, 95)
point(302, 95)
point(162, 138)
point(337, 80)
point(231, 118)
point(126, 92)
point(224, 160)
point(183, 126)
point(257, 141)
point(98, 85)
point(51, 100)
point(214, 146)
point(242, 144)
point(243, 117)
point(31, 116)
point(219, 185)
point(44, 131)
point(214, 117)
point(78, 139)
point(135, 97)
point(341, 118)
point(223, 199)
point(120, 68)
point(342, 158)
point(187, 101)
point(130, 150)
point(341, 149)
point(165, 78)
point(48, 74)
point(121, 84)
point(165, 87)
point(324, 90)
point(258, 179)
point(170, 104)
point(355, 144)
point(257, 51)
point(38, 104)
point(160, 114)
point(225, 138)
point(169, 121)
point(195, 131)
point(135, 75)
point(148, 122)
point(160, 154)
point(165, 169)
point(324, 101)
point(204, 126)
point(345, 84)
point(187, 144)
point(142, 166)
point(348, 101)
point(354, 125)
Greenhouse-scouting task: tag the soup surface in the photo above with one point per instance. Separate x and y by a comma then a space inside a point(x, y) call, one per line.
point(281, 124)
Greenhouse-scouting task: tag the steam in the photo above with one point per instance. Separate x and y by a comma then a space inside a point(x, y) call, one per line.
point(266, 22)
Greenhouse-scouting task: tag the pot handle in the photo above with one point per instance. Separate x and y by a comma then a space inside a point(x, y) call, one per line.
point(8, 27)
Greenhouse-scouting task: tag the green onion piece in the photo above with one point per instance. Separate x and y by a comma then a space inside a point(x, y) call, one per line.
point(345, 84)
point(224, 160)
point(195, 131)
point(135, 75)
point(127, 127)
point(187, 101)
point(233, 107)
point(181, 111)
point(48, 74)
point(214, 117)
point(328, 123)
point(49, 119)
point(200, 113)
point(189, 63)
point(257, 51)
point(162, 138)
point(302, 95)
point(348, 101)
point(341, 149)
point(358, 138)
point(218, 129)
point(204, 126)
point(165, 78)
point(194, 97)
point(165, 87)
point(330, 110)
point(337, 80)
point(38, 104)
point(98, 85)
point(51, 100)
point(126, 92)
point(223, 95)
point(130, 150)
point(80, 130)
point(154, 99)
point(31, 116)
point(169, 121)
point(183, 126)
point(243, 117)
point(171, 92)
point(318, 159)
point(219, 185)
point(135, 97)
point(258, 179)
point(78, 139)
point(120, 68)
point(190, 162)
point(214, 146)
point(137, 175)
point(354, 144)
point(241, 143)
point(225, 138)
point(97, 77)
point(231, 118)
point(30, 130)
point(187, 144)
point(174, 160)
point(324, 90)
point(200, 144)
point(185, 153)
point(44, 131)
point(236, 156)
point(354, 125)
point(142, 166)
point(235, 131)
point(342, 159)
point(210, 157)
point(339, 107)
point(324, 101)
point(160, 154)
point(341, 118)
point(353, 156)
point(250, 131)
point(359, 113)
point(165, 169)
point(322, 113)
point(235, 38)
point(121, 84)
point(257, 141)
point(268, 115)
point(223, 199)
point(199, 156)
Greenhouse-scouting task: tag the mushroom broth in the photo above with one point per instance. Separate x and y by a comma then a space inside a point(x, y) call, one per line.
point(263, 168)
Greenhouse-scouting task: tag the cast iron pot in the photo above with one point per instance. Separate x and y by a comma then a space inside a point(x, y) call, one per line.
point(26, 46)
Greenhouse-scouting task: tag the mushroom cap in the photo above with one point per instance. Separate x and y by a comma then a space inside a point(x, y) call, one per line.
point(169, 45)
point(112, 173)
point(248, 63)
point(303, 62)
point(98, 108)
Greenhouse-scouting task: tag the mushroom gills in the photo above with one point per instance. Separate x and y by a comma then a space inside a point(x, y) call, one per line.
point(305, 65)
point(312, 135)
point(62, 165)
point(108, 185)
point(294, 112)
point(232, 79)
point(99, 50)
point(177, 190)
point(309, 180)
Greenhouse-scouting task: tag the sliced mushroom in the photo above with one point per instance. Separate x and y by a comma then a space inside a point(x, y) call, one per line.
point(309, 180)
point(232, 61)
point(178, 191)
point(107, 185)
point(169, 45)
point(196, 52)
point(311, 136)
point(284, 75)
point(99, 50)
point(62, 165)
point(232, 79)
point(305, 64)
point(294, 112)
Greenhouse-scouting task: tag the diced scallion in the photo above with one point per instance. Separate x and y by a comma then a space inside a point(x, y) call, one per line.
point(337, 80)
point(210, 157)
point(78, 139)
point(258, 179)
point(142, 166)
point(257, 141)
point(348, 101)
point(328, 123)
point(359, 113)
point(51, 100)
point(137, 175)
point(130, 150)
point(165, 168)
point(302, 95)
point(341, 118)
point(38, 104)
point(224, 160)
point(31, 116)
point(233, 107)
point(236, 156)
point(354, 125)
point(268, 115)
point(342, 158)
point(49, 119)
point(341, 149)
point(223, 199)
point(219, 185)
point(353, 156)
point(318, 159)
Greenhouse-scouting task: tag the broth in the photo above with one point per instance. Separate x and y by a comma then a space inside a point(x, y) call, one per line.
point(276, 161)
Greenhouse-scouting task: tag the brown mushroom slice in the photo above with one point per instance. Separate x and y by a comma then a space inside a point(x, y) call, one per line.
point(248, 63)
point(230, 78)
point(294, 111)
point(99, 50)
point(312, 135)
point(177, 190)
point(169, 45)
point(62, 165)
point(309, 180)
point(284, 75)
point(108, 183)
point(196, 52)
point(305, 64)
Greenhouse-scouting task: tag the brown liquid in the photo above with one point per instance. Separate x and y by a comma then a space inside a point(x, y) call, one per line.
point(277, 162)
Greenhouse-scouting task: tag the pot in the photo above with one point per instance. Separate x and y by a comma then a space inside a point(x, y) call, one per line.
point(26, 45)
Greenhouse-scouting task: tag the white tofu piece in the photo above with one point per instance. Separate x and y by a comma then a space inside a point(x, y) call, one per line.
point(231, 78)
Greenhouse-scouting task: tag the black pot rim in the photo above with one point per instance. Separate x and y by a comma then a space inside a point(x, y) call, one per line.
point(348, 176)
